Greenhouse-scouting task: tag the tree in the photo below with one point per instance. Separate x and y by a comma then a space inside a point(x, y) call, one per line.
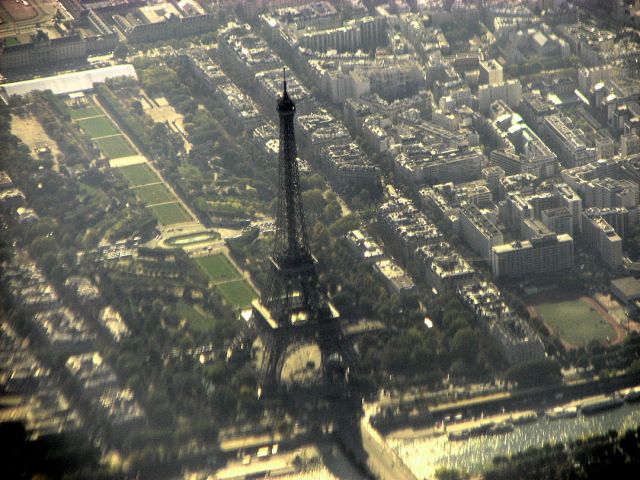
point(458, 369)
point(332, 211)
point(121, 51)
point(535, 373)
point(313, 201)
point(137, 107)
point(464, 345)
point(445, 473)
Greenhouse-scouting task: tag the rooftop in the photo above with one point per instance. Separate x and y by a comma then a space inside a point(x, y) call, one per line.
point(69, 82)
point(628, 286)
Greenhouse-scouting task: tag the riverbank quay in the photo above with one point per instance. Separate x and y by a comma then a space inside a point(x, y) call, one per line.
point(418, 414)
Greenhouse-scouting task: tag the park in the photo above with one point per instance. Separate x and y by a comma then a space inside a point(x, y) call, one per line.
point(575, 320)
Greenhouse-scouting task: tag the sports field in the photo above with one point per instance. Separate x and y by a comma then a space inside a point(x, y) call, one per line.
point(576, 321)
point(97, 127)
point(78, 113)
point(162, 203)
point(196, 318)
point(115, 147)
point(238, 293)
point(156, 193)
point(170, 213)
point(140, 174)
point(218, 268)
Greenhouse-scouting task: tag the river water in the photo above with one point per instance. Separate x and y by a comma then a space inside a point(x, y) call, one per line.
point(425, 455)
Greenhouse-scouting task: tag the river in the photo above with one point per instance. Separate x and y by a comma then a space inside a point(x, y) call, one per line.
point(424, 455)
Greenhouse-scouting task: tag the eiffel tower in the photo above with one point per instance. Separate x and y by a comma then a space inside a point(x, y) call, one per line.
point(294, 319)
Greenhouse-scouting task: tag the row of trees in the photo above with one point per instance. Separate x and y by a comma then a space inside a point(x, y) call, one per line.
point(133, 125)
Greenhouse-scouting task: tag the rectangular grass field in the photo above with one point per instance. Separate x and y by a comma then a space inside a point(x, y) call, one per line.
point(170, 213)
point(575, 321)
point(98, 127)
point(197, 320)
point(152, 194)
point(140, 174)
point(78, 113)
point(115, 147)
point(238, 293)
point(218, 268)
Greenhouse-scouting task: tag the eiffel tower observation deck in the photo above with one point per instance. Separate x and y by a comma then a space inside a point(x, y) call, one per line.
point(297, 325)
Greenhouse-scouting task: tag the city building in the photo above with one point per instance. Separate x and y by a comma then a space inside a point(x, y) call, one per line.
point(535, 108)
point(567, 141)
point(5, 181)
point(558, 220)
point(394, 277)
point(609, 192)
point(629, 144)
point(241, 109)
point(478, 231)
point(36, 400)
point(330, 147)
point(490, 72)
point(240, 47)
point(544, 253)
point(417, 163)
point(533, 228)
point(509, 92)
point(492, 175)
point(444, 268)
point(521, 150)
point(360, 33)
point(600, 236)
point(364, 246)
point(627, 290)
point(588, 78)
point(619, 218)
point(516, 339)
point(576, 177)
point(164, 20)
point(404, 228)
point(113, 322)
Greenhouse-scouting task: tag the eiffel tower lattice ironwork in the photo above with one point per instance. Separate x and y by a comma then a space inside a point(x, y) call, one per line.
point(293, 308)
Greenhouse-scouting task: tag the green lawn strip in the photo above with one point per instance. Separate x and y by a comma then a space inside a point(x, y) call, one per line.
point(140, 174)
point(115, 147)
point(9, 41)
point(197, 319)
point(152, 194)
point(170, 213)
point(98, 127)
point(238, 293)
point(218, 268)
point(575, 321)
point(85, 112)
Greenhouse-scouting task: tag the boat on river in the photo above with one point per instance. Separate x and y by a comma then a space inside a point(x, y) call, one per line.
point(475, 431)
point(502, 427)
point(601, 404)
point(526, 417)
point(631, 395)
point(457, 436)
point(557, 413)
